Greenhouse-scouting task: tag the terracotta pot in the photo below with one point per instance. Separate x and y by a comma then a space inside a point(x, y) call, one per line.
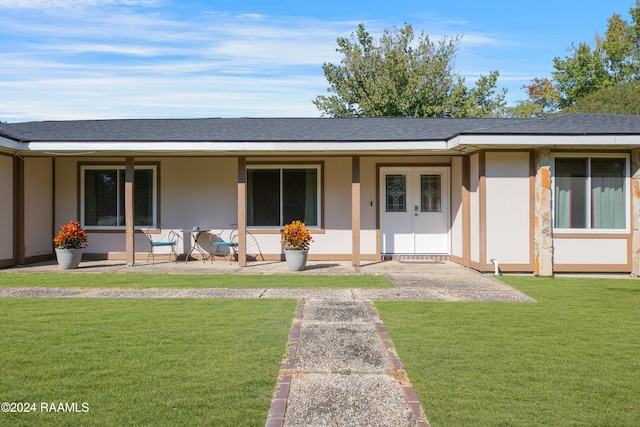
point(296, 260)
point(68, 258)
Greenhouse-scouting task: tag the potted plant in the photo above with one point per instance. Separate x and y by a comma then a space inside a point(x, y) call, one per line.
point(69, 244)
point(296, 238)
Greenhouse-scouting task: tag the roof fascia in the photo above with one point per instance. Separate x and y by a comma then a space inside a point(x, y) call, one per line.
point(10, 144)
point(531, 141)
point(226, 147)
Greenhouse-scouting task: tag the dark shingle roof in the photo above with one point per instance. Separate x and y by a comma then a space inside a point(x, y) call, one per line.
point(313, 129)
point(570, 124)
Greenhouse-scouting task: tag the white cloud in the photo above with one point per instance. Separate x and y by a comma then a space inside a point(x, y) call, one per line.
point(106, 60)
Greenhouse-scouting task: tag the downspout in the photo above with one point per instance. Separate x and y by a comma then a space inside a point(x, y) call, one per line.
point(496, 266)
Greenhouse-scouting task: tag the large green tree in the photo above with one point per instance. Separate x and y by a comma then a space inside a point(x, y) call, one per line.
point(613, 60)
point(399, 77)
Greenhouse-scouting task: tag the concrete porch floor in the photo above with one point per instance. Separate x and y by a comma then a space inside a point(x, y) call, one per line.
point(442, 281)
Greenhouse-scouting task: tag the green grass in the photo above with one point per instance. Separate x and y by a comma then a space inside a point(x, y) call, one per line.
point(142, 362)
point(571, 359)
point(189, 281)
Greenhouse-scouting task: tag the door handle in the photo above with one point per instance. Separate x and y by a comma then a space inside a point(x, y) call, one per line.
point(416, 210)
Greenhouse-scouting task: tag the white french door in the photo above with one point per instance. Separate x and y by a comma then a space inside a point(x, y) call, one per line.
point(414, 210)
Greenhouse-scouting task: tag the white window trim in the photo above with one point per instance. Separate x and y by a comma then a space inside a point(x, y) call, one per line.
point(117, 167)
point(316, 166)
point(627, 186)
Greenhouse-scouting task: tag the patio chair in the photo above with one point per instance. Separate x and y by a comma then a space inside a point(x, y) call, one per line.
point(224, 244)
point(161, 237)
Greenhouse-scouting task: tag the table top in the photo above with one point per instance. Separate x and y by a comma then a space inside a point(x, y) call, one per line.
point(196, 230)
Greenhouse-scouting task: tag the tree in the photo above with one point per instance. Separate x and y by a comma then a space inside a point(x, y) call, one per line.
point(582, 73)
point(480, 101)
point(613, 60)
point(397, 77)
point(618, 99)
point(544, 100)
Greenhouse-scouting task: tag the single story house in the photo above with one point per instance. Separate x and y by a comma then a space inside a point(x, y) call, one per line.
point(546, 195)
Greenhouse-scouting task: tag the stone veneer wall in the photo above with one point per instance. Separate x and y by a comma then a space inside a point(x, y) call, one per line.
point(543, 240)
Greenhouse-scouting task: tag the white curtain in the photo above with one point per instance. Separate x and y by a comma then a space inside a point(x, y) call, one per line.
point(562, 212)
point(608, 202)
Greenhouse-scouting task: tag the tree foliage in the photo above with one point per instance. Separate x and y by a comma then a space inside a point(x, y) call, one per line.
point(618, 99)
point(544, 100)
point(614, 60)
point(399, 77)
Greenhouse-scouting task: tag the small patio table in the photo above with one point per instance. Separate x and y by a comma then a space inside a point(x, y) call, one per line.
point(195, 233)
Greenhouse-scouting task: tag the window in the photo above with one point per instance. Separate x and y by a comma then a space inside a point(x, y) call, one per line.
point(103, 196)
point(430, 194)
point(396, 192)
point(278, 195)
point(591, 193)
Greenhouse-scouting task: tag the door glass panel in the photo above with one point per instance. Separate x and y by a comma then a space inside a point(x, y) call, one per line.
point(430, 193)
point(396, 192)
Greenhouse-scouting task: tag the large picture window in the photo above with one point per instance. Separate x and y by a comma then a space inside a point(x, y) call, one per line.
point(278, 195)
point(103, 196)
point(590, 193)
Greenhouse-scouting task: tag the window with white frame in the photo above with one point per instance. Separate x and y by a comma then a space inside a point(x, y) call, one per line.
point(277, 195)
point(591, 192)
point(102, 194)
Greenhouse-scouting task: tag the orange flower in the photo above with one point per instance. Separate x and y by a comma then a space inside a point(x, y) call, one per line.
point(71, 236)
point(296, 236)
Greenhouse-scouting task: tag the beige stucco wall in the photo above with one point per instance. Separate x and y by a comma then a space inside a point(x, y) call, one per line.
point(198, 191)
point(590, 251)
point(38, 206)
point(66, 191)
point(508, 207)
point(368, 206)
point(6, 207)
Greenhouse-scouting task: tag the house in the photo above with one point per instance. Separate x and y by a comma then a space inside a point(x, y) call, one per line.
point(558, 194)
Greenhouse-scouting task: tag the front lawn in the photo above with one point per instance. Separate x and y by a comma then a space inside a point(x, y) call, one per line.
point(141, 362)
point(189, 281)
point(572, 358)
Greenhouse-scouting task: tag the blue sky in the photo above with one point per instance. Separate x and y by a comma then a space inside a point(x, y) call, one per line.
point(84, 59)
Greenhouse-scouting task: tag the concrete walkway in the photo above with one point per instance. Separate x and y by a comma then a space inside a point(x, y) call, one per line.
point(441, 281)
point(340, 367)
point(342, 370)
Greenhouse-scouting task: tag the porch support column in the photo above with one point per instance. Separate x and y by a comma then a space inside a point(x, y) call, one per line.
point(355, 210)
point(635, 212)
point(18, 210)
point(543, 238)
point(466, 211)
point(242, 211)
point(129, 215)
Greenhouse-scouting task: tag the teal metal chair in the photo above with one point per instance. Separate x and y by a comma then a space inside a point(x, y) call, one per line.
point(161, 236)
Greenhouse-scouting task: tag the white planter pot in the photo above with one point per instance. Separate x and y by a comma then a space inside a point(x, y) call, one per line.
point(296, 260)
point(68, 258)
